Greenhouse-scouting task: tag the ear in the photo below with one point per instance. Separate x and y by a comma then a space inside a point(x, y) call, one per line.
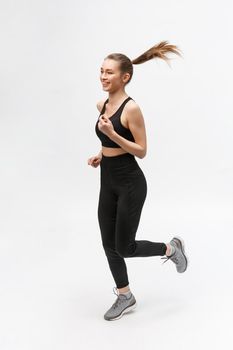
point(125, 77)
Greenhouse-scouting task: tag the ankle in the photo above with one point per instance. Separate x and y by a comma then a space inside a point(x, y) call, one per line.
point(123, 290)
point(170, 249)
point(127, 294)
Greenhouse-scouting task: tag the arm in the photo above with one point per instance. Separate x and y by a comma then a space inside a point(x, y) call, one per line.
point(99, 106)
point(95, 160)
point(137, 127)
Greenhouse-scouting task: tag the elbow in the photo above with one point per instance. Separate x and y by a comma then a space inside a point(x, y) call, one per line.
point(142, 154)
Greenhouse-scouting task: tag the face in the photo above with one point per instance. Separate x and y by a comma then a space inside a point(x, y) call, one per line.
point(111, 77)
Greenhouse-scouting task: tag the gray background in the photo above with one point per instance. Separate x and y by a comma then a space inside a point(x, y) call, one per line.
point(55, 284)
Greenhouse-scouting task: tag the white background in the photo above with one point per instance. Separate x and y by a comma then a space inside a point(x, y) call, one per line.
point(55, 284)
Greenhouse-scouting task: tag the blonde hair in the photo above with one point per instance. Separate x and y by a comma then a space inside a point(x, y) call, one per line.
point(157, 51)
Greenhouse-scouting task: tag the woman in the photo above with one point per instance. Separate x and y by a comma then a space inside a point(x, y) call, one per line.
point(121, 129)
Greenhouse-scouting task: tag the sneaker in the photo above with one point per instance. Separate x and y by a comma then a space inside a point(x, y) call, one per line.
point(178, 257)
point(120, 307)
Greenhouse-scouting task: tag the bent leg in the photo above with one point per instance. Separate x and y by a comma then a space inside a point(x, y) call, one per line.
point(129, 208)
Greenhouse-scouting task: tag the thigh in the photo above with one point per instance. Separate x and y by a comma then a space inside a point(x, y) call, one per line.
point(129, 207)
point(107, 208)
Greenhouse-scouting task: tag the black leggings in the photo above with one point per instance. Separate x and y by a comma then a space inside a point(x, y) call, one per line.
point(122, 194)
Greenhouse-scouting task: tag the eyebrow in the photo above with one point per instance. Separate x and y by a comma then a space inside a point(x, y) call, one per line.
point(107, 69)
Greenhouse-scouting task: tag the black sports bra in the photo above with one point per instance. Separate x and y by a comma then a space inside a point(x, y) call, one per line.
point(118, 127)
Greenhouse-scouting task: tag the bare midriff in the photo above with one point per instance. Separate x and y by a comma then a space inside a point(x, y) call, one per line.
point(111, 152)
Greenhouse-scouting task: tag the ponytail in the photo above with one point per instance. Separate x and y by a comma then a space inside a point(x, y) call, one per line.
point(157, 51)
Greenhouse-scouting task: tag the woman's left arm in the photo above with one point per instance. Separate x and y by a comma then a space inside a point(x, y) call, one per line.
point(136, 125)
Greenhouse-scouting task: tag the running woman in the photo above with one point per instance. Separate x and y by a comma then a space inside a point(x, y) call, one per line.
point(123, 187)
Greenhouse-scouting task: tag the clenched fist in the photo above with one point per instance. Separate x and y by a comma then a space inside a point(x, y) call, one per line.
point(94, 161)
point(105, 125)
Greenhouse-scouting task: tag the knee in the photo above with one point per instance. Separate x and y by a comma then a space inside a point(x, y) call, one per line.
point(125, 251)
point(110, 251)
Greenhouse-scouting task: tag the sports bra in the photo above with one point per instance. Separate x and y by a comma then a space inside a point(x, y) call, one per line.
point(117, 125)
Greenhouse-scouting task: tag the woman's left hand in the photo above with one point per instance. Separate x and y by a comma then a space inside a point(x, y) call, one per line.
point(105, 125)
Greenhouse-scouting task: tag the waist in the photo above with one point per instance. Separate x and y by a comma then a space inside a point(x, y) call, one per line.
point(110, 152)
point(120, 159)
point(119, 169)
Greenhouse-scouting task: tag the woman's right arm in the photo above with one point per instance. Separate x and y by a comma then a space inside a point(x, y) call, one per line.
point(95, 160)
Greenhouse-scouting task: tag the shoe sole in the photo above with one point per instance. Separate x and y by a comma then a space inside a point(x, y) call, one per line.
point(128, 309)
point(180, 241)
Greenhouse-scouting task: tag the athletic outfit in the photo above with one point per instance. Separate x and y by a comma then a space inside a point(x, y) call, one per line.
point(121, 198)
point(123, 190)
point(118, 127)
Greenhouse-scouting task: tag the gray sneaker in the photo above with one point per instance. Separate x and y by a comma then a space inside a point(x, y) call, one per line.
point(120, 307)
point(179, 257)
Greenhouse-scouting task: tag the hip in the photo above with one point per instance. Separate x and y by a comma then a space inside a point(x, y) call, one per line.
point(121, 169)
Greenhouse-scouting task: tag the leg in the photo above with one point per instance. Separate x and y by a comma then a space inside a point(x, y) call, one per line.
point(107, 208)
point(129, 207)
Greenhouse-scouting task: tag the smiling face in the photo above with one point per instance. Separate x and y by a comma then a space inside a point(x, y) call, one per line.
point(111, 77)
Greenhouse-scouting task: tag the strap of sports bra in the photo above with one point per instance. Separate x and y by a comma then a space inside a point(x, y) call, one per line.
point(125, 101)
point(120, 108)
point(103, 108)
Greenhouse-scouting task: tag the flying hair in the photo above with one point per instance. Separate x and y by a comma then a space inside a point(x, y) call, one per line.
point(157, 51)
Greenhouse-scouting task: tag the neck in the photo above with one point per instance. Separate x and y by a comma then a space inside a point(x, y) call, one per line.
point(115, 97)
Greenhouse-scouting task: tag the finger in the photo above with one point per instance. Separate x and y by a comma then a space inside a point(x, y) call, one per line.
point(103, 118)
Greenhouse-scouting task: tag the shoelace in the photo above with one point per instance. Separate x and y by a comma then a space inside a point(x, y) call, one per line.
point(174, 258)
point(115, 291)
point(119, 300)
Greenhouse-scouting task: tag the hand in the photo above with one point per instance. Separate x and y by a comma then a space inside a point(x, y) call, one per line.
point(105, 125)
point(94, 161)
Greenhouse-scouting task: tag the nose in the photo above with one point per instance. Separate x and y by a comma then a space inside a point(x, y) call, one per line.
point(103, 75)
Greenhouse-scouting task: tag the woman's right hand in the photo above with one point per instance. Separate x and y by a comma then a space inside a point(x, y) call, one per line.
point(94, 161)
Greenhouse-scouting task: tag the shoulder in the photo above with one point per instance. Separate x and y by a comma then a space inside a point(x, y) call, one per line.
point(133, 110)
point(100, 105)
